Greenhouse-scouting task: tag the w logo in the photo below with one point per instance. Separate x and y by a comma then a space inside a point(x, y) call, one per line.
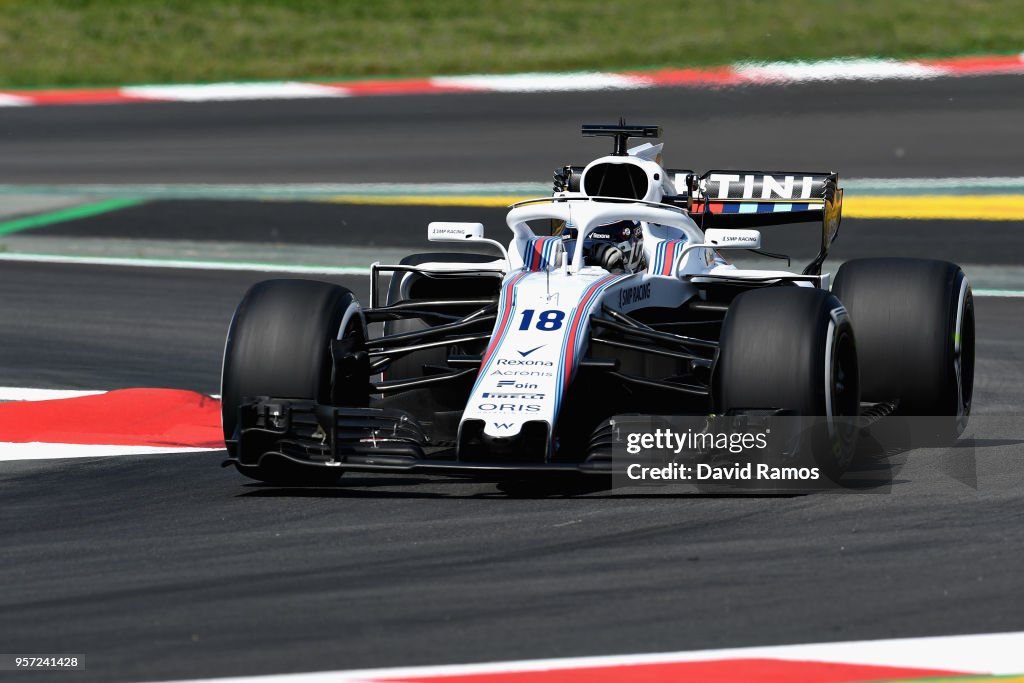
point(504, 425)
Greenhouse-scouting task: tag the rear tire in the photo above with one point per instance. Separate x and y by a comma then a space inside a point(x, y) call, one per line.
point(915, 335)
point(279, 345)
point(792, 349)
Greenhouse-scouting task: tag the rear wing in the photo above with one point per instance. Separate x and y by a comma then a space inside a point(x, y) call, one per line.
point(747, 199)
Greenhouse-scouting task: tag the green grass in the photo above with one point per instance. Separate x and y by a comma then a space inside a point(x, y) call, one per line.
point(96, 42)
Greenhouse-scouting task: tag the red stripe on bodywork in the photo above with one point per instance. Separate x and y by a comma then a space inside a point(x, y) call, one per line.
point(127, 417)
point(713, 207)
point(503, 324)
point(716, 671)
point(570, 350)
point(536, 255)
point(670, 258)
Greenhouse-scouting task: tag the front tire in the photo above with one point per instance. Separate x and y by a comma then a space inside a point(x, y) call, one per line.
point(792, 349)
point(279, 345)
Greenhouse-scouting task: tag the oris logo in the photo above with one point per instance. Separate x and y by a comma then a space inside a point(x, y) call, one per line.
point(508, 408)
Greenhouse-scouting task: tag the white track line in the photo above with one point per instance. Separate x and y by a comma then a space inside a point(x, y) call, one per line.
point(33, 394)
point(260, 190)
point(184, 264)
point(13, 101)
point(54, 451)
point(997, 653)
point(213, 92)
point(837, 70)
point(542, 82)
point(29, 394)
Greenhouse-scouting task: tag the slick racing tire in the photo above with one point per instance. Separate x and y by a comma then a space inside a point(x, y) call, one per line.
point(279, 345)
point(792, 349)
point(914, 320)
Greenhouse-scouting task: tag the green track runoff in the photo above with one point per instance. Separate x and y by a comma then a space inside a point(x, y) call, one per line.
point(68, 214)
point(112, 42)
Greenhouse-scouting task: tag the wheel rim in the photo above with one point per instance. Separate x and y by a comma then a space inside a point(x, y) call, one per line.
point(842, 393)
point(844, 388)
point(963, 354)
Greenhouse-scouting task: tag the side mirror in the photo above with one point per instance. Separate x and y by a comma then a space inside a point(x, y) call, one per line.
point(722, 238)
point(446, 231)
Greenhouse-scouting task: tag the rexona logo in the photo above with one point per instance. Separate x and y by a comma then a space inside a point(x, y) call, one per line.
point(632, 295)
point(516, 361)
point(505, 395)
point(508, 408)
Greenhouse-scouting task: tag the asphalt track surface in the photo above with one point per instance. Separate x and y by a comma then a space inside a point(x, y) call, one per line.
point(167, 566)
point(941, 127)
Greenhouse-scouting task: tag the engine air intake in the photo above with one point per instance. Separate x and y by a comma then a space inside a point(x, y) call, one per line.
point(616, 180)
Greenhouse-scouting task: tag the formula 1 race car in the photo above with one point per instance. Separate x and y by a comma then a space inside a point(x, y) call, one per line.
point(613, 297)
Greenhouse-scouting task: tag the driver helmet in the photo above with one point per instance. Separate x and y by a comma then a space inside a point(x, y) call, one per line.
point(615, 246)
